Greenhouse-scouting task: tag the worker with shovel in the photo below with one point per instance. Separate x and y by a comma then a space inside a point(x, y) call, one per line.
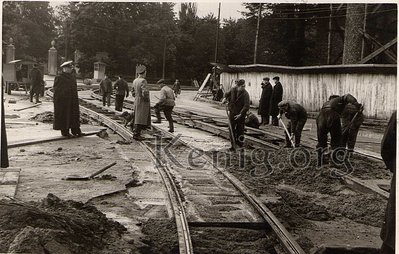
point(351, 119)
point(238, 105)
point(297, 116)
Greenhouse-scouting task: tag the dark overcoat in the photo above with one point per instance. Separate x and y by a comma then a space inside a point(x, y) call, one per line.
point(66, 102)
point(141, 102)
point(264, 102)
point(36, 79)
point(388, 154)
point(277, 96)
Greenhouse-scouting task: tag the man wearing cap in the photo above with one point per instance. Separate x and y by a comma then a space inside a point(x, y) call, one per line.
point(238, 99)
point(297, 116)
point(142, 118)
point(106, 90)
point(66, 102)
point(264, 102)
point(277, 96)
point(36, 81)
point(166, 103)
point(122, 89)
point(328, 121)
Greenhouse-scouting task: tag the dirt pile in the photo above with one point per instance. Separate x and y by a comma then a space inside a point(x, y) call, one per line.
point(161, 236)
point(56, 226)
point(48, 117)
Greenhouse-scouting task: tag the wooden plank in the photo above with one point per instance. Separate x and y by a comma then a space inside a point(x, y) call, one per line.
point(203, 85)
point(378, 51)
point(387, 52)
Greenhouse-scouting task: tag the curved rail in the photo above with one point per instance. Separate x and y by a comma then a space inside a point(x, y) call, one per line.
point(185, 245)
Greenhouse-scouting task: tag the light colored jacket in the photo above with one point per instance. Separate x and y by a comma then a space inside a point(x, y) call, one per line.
point(141, 102)
point(167, 97)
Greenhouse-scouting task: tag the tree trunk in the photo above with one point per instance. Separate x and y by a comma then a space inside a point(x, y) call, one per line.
point(353, 39)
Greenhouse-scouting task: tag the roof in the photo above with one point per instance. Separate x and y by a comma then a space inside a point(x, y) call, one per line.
point(348, 68)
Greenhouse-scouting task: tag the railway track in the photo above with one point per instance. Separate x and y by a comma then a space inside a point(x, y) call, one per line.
point(201, 198)
point(260, 138)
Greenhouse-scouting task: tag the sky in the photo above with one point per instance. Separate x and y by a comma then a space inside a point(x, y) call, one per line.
point(227, 10)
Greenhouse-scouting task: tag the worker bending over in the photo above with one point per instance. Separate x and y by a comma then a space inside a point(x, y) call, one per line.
point(297, 116)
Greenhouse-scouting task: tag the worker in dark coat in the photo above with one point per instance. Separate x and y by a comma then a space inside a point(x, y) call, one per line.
point(328, 121)
point(238, 99)
point(142, 117)
point(122, 90)
point(388, 154)
point(106, 90)
point(265, 101)
point(36, 81)
point(66, 102)
point(351, 118)
point(277, 96)
point(297, 116)
point(252, 120)
point(166, 104)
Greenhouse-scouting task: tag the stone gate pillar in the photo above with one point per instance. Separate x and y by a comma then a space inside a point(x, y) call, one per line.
point(52, 60)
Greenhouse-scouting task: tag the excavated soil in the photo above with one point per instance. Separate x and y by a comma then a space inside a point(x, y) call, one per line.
point(231, 241)
point(161, 236)
point(57, 226)
point(48, 117)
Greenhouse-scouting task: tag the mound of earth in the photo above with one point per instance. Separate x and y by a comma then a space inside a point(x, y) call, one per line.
point(57, 226)
point(48, 117)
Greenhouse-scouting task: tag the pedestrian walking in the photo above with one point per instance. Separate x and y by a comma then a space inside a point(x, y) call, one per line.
point(277, 96)
point(176, 87)
point(36, 82)
point(328, 121)
point(66, 102)
point(166, 104)
point(106, 90)
point(142, 117)
point(238, 103)
point(265, 101)
point(297, 116)
point(122, 90)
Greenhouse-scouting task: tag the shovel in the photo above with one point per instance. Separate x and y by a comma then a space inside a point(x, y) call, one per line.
point(86, 178)
point(286, 131)
point(232, 138)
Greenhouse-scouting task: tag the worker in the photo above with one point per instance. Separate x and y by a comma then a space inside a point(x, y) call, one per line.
point(265, 101)
point(297, 116)
point(277, 96)
point(66, 102)
point(176, 88)
point(238, 103)
point(351, 118)
point(128, 119)
point(122, 90)
point(142, 117)
point(166, 103)
point(328, 121)
point(106, 90)
point(252, 120)
point(388, 154)
point(36, 79)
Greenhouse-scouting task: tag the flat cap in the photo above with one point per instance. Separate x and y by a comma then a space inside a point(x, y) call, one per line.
point(266, 78)
point(141, 69)
point(67, 63)
point(276, 78)
point(161, 81)
point(240, 82)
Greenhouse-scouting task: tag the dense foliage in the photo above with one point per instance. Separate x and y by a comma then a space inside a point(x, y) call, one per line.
point(131, 33)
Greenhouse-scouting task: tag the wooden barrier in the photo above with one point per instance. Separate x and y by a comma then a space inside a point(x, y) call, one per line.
point(373, 85)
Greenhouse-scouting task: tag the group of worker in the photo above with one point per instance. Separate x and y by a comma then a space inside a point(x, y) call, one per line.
point(341, 116)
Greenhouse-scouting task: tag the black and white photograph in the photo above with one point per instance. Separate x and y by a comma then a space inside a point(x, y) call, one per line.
point(208, 127)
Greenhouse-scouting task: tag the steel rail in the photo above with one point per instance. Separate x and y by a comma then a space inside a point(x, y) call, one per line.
point(284, 237)
point(217, 130)
point(185, 245)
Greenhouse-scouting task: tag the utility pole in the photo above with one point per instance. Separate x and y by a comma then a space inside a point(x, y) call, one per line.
point(66, 40)
point(364, 30)
point(164, 59)
point(217, 36)
point(329, 35)
point(257, 33)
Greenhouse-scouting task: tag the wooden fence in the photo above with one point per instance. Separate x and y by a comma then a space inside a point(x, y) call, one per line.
point(374, 86)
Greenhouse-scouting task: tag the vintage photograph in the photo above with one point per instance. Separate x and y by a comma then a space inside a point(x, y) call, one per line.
point(201, 127)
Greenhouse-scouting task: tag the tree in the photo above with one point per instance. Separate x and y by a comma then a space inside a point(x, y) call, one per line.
point(32, 27)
